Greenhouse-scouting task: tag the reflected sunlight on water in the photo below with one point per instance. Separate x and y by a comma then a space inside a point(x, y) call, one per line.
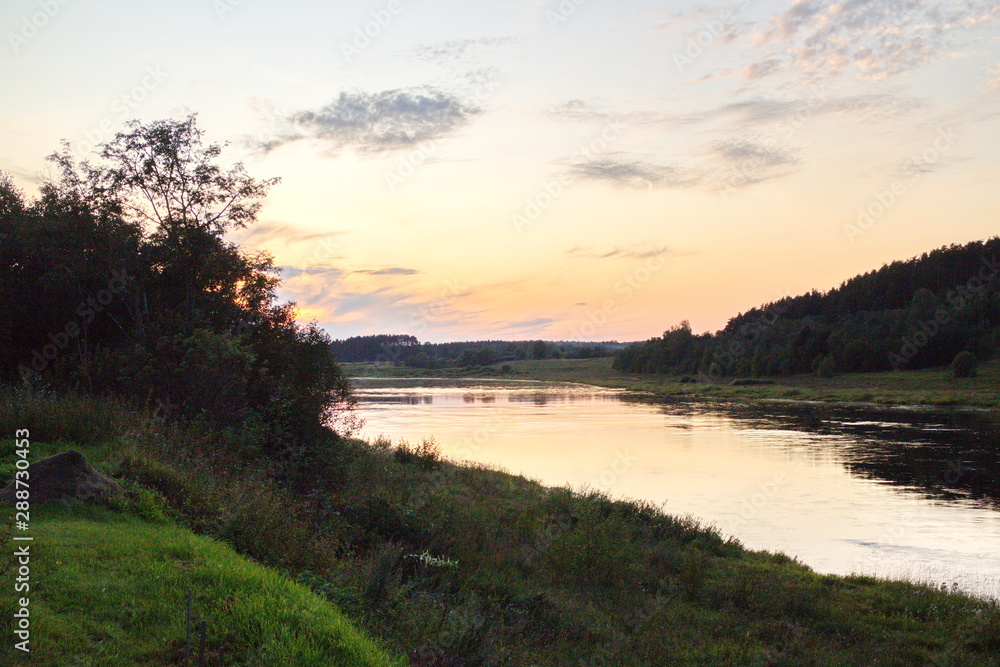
point(844, 490)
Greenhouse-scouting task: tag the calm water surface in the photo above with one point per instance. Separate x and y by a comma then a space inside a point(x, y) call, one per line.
point(900, 493)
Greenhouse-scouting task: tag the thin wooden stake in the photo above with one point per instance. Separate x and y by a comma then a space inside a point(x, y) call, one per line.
point(187, 628)
point(201, 649)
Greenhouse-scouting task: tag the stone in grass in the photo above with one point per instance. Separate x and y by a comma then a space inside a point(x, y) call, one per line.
point(65, 476)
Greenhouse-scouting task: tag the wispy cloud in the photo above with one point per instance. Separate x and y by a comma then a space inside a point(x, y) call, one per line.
point(459, 50)
point(621, 171)
point(521, 326)
point(268, 233)
point(738, 151)
point(866, 40)
point(616, 252)
point(724, 25)
point(392, 271)
point(375, 122)
point(994, 73)
point(741, 162)
point(325, 273)
point(760, 69)
point(745, 112)
point(751, 112)
point(733, 163)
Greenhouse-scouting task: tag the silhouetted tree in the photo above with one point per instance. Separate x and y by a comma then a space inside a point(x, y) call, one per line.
point(134, 289)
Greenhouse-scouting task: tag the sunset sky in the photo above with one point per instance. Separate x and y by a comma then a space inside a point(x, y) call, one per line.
point(561, 170)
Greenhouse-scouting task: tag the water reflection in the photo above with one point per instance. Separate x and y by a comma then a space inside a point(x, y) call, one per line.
point(846, 489)
point(945, 454)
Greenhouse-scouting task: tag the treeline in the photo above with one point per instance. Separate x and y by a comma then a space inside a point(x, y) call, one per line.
point(370, 348)
point(407, 350)
point(917, 313)
point(117, 279)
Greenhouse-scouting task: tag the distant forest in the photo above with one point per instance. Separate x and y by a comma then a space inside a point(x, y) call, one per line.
point(408, 351)
point(910, 314)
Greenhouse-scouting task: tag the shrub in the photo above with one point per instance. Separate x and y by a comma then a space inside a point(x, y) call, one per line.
point(964, 365)
point(427, 454)
point(826, 367)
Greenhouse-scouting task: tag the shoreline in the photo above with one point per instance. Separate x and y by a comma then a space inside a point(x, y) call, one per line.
point(930, 389)
point(397, 539)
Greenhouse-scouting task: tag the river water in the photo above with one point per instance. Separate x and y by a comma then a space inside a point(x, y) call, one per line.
point(845, 489)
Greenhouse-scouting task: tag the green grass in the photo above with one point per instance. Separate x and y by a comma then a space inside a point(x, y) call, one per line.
point(109, 588)
point(934, 386)
point(448, 565)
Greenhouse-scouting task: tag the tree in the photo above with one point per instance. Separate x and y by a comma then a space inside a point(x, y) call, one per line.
point(163, 180)
point(166, 177)
point(964, 365)
point(485, 356)
point(923, 304)
point(196, 322)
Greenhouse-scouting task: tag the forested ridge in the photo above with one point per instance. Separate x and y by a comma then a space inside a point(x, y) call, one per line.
point(910, 314)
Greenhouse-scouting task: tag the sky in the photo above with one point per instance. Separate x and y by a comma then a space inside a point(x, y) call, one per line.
point(562, 169)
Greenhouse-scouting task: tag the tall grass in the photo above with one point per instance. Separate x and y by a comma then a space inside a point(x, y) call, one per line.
point(464, 565)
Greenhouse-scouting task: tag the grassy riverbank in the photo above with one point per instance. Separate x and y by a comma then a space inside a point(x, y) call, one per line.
point(446, 564)
point(924, 387)
point(110, 588)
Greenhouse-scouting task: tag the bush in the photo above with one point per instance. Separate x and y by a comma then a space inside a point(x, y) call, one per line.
point(826, 367)
point(427, 454)
point(964, 365)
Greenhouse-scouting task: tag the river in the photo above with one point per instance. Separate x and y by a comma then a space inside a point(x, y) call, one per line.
point(901, 493)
